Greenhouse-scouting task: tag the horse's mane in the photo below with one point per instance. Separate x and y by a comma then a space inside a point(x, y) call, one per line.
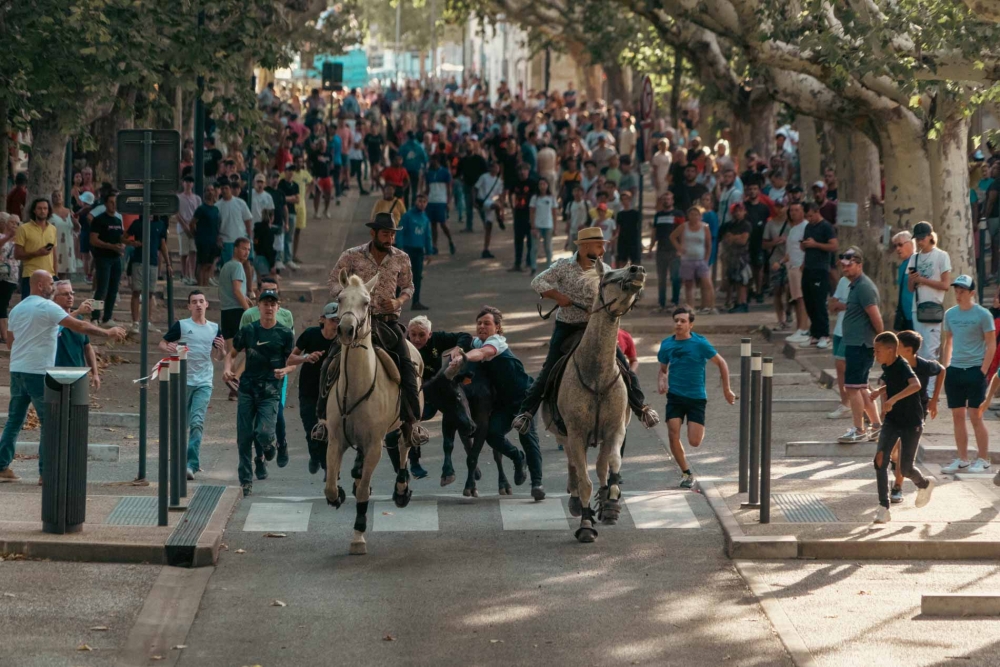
point(355, 281)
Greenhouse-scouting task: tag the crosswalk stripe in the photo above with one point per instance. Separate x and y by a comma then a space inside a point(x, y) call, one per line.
point(418, 516)
point(661, 509)
point(278, 518)
point(529, 515)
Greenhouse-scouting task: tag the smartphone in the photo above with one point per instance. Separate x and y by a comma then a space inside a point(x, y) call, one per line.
point(96, 305)
point(913, 269)
point(49, 246)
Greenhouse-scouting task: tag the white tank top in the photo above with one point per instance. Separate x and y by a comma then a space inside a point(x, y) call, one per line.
point(694, 243)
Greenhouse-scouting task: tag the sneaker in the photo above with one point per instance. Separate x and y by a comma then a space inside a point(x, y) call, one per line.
point(980, 466)
point(313, 466)
point(538, 492)
point(259, 468)
point(279, 265)
point(294, 266)
point(955, 466)
point(8, 475)
point(687, 480)
point(269, 451)
point(810, 342)
point(451, 247)
point(896, 495)
point(282, 455)
point(522, 423)
point(996, 479)
point(418, 470)
point(151, 329)
point(853, 435)
point(190, 474)
point(840, 412)
point(705, 311)
point(110, 324)
point(487, 255)
point(514, 269)
point(924, 494)
point(799, 336)
point(213, 281)
point(874, 432)
point(882, 515)
point(823, 343)
point(247, 489)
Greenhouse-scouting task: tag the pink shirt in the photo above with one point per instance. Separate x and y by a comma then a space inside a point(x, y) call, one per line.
point(344, 133)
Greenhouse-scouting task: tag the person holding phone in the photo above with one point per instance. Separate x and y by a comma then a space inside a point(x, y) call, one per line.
point(107, 247)
point(34, 243)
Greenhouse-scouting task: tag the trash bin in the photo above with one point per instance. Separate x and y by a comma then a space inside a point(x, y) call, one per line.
point(64, 450)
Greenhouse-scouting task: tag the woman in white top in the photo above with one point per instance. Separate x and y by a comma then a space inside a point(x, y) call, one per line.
point(66, 227)
point(661, 167)
point(543, 216)
point(929, 280)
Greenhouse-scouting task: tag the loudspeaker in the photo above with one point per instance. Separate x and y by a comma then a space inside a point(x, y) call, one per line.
point(333, 76)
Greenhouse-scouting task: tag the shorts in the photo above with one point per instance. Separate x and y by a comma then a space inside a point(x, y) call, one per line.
point(135, 278)
point(185, 244)
point(993, 224)
point(300, 217)
point(208, 253)
point(262, 266)
point(859, 364)
point(839, 348)
point(356, 167)
point(694, 269)
point(794, 283)
point(231, 322)
point(437, 213)
point(681, 407)
point(779, 278)
point(325, 184)
point(965, 387)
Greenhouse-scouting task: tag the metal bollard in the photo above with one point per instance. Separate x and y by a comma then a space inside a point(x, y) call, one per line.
point(175, 471)
point(766, 394)
point(182, 418)
point(170, 296)
point(754, 486)
point(744, 412)
point(164, 436)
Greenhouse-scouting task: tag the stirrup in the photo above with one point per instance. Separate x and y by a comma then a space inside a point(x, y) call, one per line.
point(522, 423)
point(648, 417)
point(318, 431)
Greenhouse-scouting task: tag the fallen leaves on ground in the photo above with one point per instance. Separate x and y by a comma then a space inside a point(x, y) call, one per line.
point(100, 628)
point(9, 595)
point(241, 551)
point(31, 421)
point(386, 513)
point(179, 647)
point(388, 638)
point(279, 603)
point(275, 535)
point(84, 647)
point(496, 641)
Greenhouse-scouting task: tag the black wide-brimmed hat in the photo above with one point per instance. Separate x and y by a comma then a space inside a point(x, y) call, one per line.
point(383, 221)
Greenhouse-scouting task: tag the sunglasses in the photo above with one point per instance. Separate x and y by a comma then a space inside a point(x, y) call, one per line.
point(848, 257)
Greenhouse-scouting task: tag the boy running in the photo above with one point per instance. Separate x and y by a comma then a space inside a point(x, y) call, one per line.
point(682, 360)
point(902, 419)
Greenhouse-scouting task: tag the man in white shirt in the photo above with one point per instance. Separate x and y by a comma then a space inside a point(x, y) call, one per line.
point(661, 161)
point(489, 200)
point(627, 137)
point(33, 335)
point(187, 203)
point(928, 277)
point(795, 256)
point(235, 219)
point(261, 202)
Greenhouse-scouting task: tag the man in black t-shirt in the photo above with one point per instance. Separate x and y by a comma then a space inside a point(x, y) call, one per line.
point(279, 223)
point(629, 222)
point(688, 193)
point(212, 157)
point(758, 214)
point(524, 187)
point(819, 241)
point(107, 248)
point(290, 189)
point(471, 166)
point(314, 343)
point(375, 147)
point(268, 347)
point(665, 220)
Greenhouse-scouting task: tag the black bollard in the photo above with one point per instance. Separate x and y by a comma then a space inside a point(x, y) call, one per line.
point(170, 296)
point(766, 394)
point(182, 419)
point(754, 486)
point(175, 472)
point(744, 412)
point(164, 436)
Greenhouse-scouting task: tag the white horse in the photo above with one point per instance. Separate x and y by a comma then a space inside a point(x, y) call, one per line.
point(593, 400)
point(363, 406)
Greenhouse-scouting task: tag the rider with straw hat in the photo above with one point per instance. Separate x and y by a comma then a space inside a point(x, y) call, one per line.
point(568, 282)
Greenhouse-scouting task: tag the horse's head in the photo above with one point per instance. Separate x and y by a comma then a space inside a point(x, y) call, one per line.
point(355, 303)
point(619, 289)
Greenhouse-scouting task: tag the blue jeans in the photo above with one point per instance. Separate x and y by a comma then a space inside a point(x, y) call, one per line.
point(545, 239)
point(417, 267)
point(414, 186)
point(25, 389)
point(460, 207)
point(107, 277)
point(227, 253)
point(198, 398)
point(499, 425)
point(469, 195)
point(256, 418)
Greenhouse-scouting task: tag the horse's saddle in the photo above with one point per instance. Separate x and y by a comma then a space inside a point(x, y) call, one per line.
point(383, 336)
point(551, 393)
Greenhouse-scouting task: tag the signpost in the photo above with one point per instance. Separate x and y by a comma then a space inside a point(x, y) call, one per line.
point(646, 106)
point(148, 183)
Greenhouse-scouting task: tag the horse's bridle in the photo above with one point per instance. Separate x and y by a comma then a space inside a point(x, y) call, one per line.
point(361, 333)
point(346, 411)
point(604, 307)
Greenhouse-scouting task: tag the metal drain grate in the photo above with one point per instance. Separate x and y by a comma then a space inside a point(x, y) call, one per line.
point(134, 511)
point(803, 508)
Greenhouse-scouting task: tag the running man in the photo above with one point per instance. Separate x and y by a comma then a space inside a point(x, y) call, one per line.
point(685, 354)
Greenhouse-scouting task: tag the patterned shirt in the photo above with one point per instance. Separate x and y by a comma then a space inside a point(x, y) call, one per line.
point(392, 273)
point(566, 276)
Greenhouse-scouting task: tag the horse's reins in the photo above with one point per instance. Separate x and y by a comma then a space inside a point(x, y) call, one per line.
point(604, 307)
point(345, 412)
point(598, 393)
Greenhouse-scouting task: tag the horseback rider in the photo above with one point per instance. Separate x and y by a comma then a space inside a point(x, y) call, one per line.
point(567, 283)
point(392, 267)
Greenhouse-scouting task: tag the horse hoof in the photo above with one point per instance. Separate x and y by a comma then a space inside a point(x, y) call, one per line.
point(402, 499)
point(447, 479)
point(467, 493)
point(478, 475)
point(341, 496)
point(358, 548)
point(504, 491)
point(575, 506)
point(586, 534)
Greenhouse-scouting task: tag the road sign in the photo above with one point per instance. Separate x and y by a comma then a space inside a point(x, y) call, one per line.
point(165, 166)
point(646, 100)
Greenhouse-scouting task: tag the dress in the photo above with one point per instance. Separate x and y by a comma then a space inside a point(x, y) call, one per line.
point(65, 246)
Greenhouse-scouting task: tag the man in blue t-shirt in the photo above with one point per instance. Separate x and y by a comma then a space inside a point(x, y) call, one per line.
point(682, 360)
point(157, 247)
point(438, 184)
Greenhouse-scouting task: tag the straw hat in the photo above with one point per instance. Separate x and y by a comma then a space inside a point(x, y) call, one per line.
point(589, 234)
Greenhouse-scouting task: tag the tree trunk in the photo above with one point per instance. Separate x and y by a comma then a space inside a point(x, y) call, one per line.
point(48, 157)
point(4, 149)
point(587, 74)
point(619, 83)
point(753, 124)
point(908, 199)
point(952, 216)
point(675, 88)
point(105, 129)
point(809, 151)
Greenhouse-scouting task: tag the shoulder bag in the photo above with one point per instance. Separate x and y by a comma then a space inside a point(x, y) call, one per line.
point(928, 312)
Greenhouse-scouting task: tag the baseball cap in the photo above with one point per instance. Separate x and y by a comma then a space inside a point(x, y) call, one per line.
point(268, 294)
point(473, 137)
point(87, 198)
point(922, 230)
point(794, 190)
point(965, 282)
point(852, 254)
point(819, 184)
point(602, 207)
point(331, 310)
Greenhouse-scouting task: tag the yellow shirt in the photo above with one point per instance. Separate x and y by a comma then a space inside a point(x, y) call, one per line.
point(32, 237)
point(394, 207)
point(303, 178)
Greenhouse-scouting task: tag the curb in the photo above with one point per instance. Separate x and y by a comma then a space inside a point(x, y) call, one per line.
point(108, 453)
point(739, 545)
point(210, 541)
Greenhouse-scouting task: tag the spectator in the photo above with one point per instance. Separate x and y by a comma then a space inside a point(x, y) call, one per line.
point(35, 243)
point(665, 220)
point(414, 238)
point(10, 268)
point(693, 242)
point(73, 349)
point(235, 219)
point(904, 246)
point(489, 200)
point(18, 196)
point(157, 248)
point(205, 224)
point(929, 273)
point(544, 209)
point(187, 203)
point(233, 290)
point(33, 338)
point(819, 241)
point(523, 189)
point(313, 344)
point(107, 247)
